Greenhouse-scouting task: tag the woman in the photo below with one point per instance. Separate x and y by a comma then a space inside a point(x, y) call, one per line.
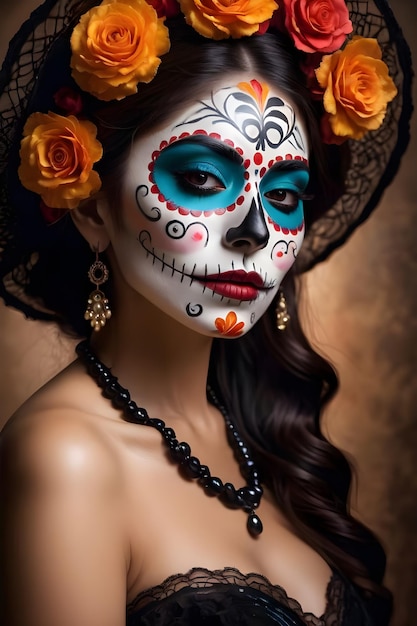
point(184, 161)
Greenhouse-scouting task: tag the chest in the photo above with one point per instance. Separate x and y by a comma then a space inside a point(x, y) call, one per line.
point(174, 526)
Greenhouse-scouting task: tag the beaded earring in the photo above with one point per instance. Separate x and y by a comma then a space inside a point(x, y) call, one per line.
point(283, 317)
point(98, 310)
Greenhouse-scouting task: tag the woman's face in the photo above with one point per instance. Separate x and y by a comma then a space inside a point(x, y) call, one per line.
point(211, 211)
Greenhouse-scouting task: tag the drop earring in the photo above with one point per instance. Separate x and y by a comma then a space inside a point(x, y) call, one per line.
point(98, 310)
point(283, 317)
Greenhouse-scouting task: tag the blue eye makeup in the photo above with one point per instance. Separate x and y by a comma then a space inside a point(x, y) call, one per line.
point(203, 178)
point(283, 190)
point(199, 174)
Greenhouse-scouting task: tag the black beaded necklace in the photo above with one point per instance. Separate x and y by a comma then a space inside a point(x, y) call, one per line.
point(246, 498)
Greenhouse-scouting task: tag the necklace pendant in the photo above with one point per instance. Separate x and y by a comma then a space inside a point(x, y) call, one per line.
point(254, 525)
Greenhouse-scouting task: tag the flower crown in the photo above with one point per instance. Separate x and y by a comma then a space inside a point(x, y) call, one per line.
point(118, 44)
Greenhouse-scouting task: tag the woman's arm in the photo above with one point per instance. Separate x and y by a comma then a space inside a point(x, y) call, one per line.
point(64, 555)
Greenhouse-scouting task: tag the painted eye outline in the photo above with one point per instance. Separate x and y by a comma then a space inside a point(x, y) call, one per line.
point(282, 206)
point(176, 165)
point(206, 169)
point(289, 180)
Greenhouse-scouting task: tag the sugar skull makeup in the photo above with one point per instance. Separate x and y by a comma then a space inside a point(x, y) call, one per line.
point(212, 208)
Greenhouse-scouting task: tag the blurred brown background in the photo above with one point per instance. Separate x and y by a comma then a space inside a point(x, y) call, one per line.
point(361, 313)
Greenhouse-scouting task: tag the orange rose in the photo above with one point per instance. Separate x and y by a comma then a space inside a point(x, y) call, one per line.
point(357, 88)
point(57, 157)
point(115, 46)
point(218, 19)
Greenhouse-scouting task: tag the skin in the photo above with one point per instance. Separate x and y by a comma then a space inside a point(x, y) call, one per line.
point(93, 512)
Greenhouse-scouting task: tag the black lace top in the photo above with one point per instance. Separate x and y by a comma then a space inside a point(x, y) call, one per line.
point(229, 598)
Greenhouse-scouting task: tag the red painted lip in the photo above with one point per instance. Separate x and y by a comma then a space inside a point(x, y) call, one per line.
point(235, 284)
point(237, 276)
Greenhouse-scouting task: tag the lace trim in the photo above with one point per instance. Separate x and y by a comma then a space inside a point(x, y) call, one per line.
point(200, 577)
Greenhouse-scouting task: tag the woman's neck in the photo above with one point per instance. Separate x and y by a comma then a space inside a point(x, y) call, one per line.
point(163, 363)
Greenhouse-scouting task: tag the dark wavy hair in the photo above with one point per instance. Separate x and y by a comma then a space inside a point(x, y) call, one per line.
point(274, 384)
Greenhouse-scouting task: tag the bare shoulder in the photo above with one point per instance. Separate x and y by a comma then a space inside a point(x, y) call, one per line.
point(61, 433)
point(61, 503)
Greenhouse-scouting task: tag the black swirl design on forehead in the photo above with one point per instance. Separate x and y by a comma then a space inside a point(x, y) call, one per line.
point(264, 121)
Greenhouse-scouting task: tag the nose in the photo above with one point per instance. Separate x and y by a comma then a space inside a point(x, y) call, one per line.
point(252, 233)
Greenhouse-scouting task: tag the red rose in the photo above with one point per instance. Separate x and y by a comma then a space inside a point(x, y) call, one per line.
point(327, 134)
point(50, 215)
point(263, 28)
point(68, 101)
point(165, 8)
point(317, 25)
point(309, 66)
point(277, 21)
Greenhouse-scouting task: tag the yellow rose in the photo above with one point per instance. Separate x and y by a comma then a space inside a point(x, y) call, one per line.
point(57, 157)
point(357, 88)
point(218, 19)
point(115, 46)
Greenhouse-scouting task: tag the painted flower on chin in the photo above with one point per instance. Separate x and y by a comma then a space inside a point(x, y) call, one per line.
point(317, 25)
point(219, 19)
point(229, 327)
point(115, 46)
point(357, 88)
point(57, 157)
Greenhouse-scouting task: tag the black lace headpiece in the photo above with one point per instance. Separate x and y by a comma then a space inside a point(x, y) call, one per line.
point(374, 160)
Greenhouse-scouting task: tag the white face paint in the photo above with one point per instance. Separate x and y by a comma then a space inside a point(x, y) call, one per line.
point(212, 210)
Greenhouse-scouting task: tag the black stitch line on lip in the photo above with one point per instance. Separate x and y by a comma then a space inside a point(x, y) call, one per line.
point(192, 274)
point(205, 278)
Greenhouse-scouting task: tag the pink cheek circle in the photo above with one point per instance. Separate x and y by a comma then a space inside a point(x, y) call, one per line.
point(282, 258)
point(194, 238)
point(283, 263)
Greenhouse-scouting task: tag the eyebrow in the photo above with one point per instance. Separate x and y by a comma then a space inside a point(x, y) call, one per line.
point(290, 166)
point(214, 145)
